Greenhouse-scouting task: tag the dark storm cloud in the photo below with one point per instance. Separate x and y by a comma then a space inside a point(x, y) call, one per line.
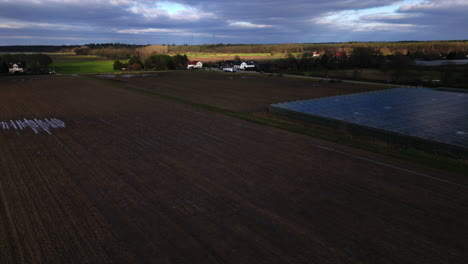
point(241, 21)
point(288, 9)
point(431, 19)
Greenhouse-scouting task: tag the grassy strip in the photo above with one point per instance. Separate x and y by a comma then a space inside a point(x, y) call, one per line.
point(83, 67)
point(421, 157)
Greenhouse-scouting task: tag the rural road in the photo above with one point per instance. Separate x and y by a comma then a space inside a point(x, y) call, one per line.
point(318, 78)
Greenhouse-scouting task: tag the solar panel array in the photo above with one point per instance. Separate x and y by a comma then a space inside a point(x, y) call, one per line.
point(436, 115)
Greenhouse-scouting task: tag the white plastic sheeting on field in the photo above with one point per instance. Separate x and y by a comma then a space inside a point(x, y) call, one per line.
point(37, 125)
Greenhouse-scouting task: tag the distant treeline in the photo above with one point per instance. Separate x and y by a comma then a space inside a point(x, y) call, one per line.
point(429, 50)
point(36, 49)
point(399, 68)
point(424, 49)
point(31, 63)
point(153, 62)
point(64, 48)
point(362, 58)
point(419, 49)
point(109, 50)
point(121, 51)
point(112, 45)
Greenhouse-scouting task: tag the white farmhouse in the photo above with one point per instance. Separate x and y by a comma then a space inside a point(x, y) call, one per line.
point(195, 65)
point(245, 65)
point(15, 67)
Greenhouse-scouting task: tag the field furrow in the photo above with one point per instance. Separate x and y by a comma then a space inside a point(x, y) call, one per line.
point(134, 178)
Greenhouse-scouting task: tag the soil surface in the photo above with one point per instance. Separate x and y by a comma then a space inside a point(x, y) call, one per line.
point(239, 91)
point(133, 178)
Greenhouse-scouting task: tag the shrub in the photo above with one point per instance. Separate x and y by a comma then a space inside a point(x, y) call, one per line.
point(118, 65)
point(135, 66)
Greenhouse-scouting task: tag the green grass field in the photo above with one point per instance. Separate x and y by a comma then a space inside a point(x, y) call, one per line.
point(68, 63)
point(82, 67)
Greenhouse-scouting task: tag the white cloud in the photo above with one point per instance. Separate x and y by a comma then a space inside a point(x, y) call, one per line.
point(14, 24)
point(41, 37)
point(388, 27)
point(243, 24)
point(173, 32)
point(146, 30)
point(434, 5)
point(372, 19)
point(395, 17)
point(155, 10)
point(357, 24)
point(9, 25)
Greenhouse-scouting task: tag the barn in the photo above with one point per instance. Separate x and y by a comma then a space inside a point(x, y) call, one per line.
point(194, 65)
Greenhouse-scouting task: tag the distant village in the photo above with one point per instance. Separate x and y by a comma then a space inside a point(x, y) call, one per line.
point(227, 66)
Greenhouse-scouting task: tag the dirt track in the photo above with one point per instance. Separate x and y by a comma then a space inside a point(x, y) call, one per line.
point(237, 91)
point(137, 179)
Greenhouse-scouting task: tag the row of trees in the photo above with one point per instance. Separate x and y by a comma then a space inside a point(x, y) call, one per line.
point(153, 62)
point(362, 57)
point(145, 52)
point(38, 48)
point(423, 49)
point(107, 52)
point(418, 49)
point(121, 51)
point(34, 63)
point(116, 45)
point(398, 68)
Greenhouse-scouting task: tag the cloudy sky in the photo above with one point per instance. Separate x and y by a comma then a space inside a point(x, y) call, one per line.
point(58, 22)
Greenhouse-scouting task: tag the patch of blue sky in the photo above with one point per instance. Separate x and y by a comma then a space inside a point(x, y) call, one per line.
point(171, 7)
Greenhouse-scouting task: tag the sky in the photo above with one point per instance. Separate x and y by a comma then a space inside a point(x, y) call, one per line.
point(76, 22)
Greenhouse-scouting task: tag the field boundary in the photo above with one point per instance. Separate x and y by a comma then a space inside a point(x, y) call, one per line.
point(409, 154)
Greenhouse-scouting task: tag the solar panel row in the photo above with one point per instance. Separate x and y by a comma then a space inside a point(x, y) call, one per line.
point(436, 115)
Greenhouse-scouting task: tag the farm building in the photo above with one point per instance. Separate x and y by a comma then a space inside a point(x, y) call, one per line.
point(194, 65)
point(249, 65)
point(15, 67)
point(341, 54)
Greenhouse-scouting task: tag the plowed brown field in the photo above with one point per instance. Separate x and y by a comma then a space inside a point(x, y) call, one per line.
point(238, 91)
point(133, 178)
